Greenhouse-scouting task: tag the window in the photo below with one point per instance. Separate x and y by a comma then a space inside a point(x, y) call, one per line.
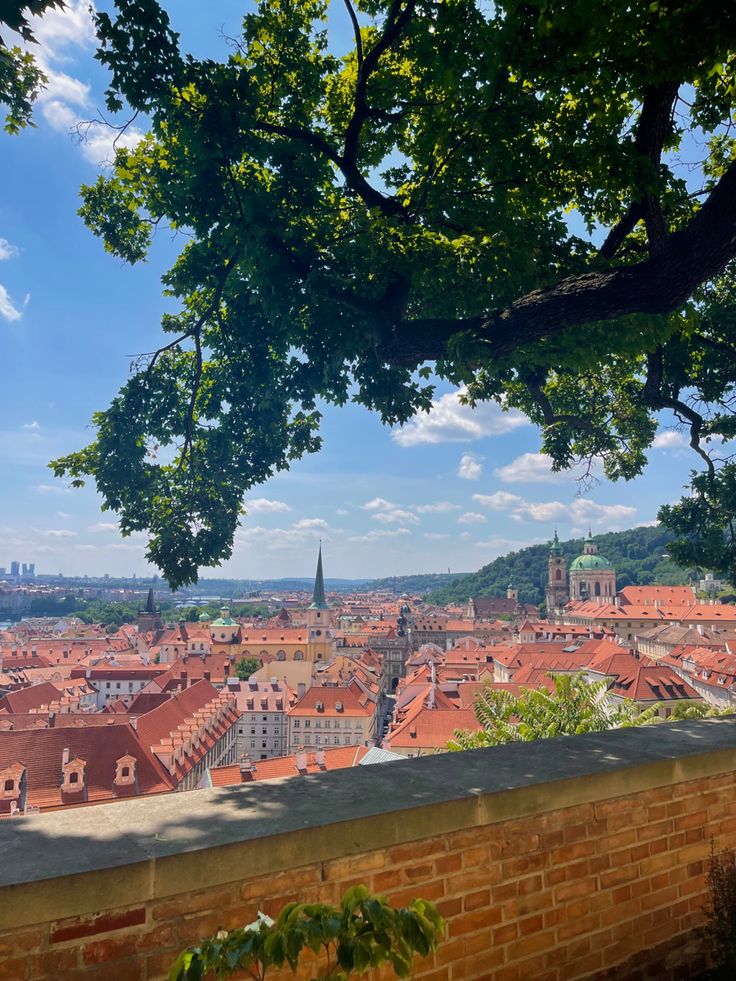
point(252, 718)
point(318, 724)
point(240, 732)
point(263, 744)
point(264, 731)
point(125, 772)
point(252, 730)
point(307, 723)
point(117, 684)
point(318, 739)
point(265, 718)
point(297, 723)
point(337, 740)
point(73, 778)
point(253, 743)
point(281, 656)
point(9, 785)
point(298, 656)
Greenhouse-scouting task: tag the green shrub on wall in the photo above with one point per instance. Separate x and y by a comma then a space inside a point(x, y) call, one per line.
point(365, 931)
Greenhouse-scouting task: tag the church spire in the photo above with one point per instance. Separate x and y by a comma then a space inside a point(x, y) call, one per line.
point(318, 596)
point(150, 602)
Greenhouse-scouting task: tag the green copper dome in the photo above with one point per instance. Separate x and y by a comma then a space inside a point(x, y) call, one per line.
point(555, 548)
point(224, 620)
point(588, 562)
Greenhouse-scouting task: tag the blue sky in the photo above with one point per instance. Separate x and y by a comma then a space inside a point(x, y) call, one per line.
point(452, 490)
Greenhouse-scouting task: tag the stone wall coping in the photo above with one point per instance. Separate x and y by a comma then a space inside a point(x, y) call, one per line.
point(133, 851)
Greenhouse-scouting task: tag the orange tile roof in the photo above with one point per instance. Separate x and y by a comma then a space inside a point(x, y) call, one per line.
point(339, 758)
point(329, 698)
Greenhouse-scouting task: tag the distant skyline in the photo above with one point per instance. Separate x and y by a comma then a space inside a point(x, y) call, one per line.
point(454, 488)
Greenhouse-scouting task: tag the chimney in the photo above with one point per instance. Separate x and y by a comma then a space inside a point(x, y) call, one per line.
point(301, 689)
point(301, 761)
point(51, 724)
point(65, 757)
point(183, 630)
point(320, 758)
point(226, 669)
point(247, 769)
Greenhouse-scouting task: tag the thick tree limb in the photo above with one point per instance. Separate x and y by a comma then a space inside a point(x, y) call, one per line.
point(655, 124)
point(659, 285)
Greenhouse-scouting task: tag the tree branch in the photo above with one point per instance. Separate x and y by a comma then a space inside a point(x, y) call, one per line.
point(658, 285)
point(655, 123)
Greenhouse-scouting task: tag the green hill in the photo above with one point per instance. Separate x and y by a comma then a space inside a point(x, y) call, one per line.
point(420, 583)
point(638, 555)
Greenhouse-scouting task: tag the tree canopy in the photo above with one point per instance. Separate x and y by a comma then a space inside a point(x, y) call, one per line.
point(499, 195)
point(20, 76)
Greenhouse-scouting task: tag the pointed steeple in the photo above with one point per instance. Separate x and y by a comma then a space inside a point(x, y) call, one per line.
point(318, 596)
point(150, 603)
point(555, 547)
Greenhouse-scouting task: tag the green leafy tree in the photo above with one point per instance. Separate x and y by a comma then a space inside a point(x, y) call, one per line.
point(20, 77)
point(364, 932)
point(357, 222)
point(246, 666)
point(574, 706)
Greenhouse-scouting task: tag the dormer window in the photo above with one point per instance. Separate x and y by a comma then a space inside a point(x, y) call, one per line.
point(72, 776)
point(125, 771)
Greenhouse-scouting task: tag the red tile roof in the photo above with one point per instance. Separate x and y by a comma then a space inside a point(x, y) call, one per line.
point(339, 758)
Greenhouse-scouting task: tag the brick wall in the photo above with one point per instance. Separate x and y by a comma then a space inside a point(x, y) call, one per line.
point(610, 886)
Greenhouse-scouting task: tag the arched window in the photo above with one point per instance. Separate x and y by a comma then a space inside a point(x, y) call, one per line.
point(298, 655)
point(558, 573)
point(597, 589)
point(281, 656)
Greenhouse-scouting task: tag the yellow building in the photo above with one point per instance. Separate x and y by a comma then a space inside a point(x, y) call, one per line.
point(312, 642)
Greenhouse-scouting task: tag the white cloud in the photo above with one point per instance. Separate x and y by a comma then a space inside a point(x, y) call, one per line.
point(7, 308)
point(499, 544)
point(307, 523)
point(470, 467)
point(378, 504)
point(32, 425)
point(7, 251)
point(472, 518)
point(66, 101)
point(103, 526)
point(85, 548)
point(435, 536)
point(500, 501)
point(536, 468)
point(396, 516)
point(581, 511)
point(62, 514)
point(439, 507)
point(57, 533)
point(52, 489)
point(373, 536)
point(262, 505)
point(529, 468)
point(669, 439)
point(448, 421)
point(342, 512)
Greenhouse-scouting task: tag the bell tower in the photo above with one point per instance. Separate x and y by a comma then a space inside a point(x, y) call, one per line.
point(319, 644)
point(557, 595)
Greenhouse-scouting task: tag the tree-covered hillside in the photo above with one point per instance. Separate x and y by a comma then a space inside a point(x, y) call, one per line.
point(418, 583)
point(638, 555)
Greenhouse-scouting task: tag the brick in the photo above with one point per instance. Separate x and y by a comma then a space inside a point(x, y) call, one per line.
point(75, 929)
point(479, 965)
point(15, 942)
point(193, 903)
point(54, 963)
point(400, 854)
point(506, 933)
point(346, 868)
point(571, 890)
point(448, 863)
point(13, 970)
point(450, 907)
point(531, 884)
point(584, 924)
point(418, 873)
point(532, 944)
point(531, 924)
point(695, 819)
point(475, 900)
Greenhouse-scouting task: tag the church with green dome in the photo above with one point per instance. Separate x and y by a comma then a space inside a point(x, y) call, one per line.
point(591, 576)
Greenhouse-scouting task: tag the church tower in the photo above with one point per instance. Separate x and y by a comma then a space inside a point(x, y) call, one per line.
point(556, 578)
point(149, 618)
point(319, 644)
